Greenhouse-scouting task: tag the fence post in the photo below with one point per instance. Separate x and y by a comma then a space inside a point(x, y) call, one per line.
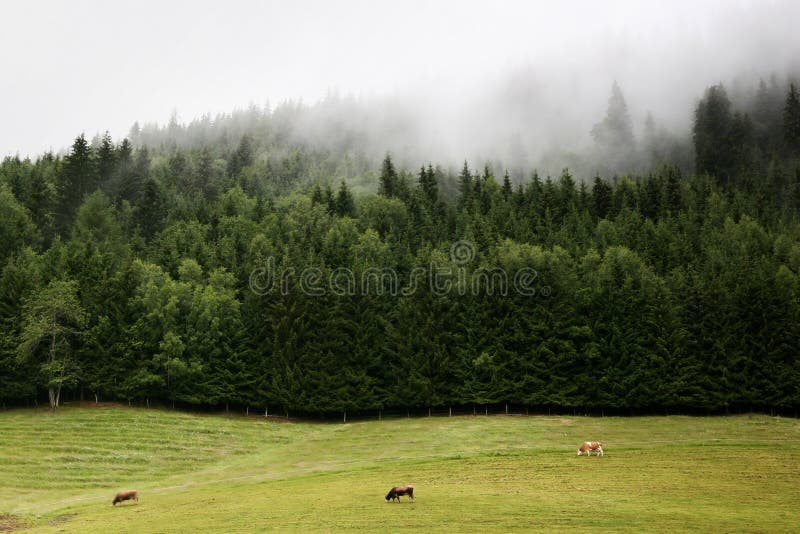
point(345, 416)
point(506, 408)
point(450, 412)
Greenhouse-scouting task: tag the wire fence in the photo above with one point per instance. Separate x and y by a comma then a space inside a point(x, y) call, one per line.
point(279, 413)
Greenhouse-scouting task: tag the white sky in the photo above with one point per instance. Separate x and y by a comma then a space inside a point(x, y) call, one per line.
point(88, 66)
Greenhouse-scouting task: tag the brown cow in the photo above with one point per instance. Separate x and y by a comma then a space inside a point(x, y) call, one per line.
point(125, 496)
point(397, 491)
point(589, 446)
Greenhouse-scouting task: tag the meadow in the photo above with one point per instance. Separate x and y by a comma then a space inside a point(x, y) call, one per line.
point(59, 472)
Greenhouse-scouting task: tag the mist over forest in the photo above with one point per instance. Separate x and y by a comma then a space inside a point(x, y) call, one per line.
point(521, 127)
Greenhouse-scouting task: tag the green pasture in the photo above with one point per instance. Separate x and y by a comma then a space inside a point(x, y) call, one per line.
point(59, 472)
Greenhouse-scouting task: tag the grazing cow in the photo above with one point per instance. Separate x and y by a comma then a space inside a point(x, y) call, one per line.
point(589, 446)
point(397, 491)
point(125, 496)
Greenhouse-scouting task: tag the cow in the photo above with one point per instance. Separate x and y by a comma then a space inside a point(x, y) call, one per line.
point(589, 446)
point(125, 496)
point(397, 491)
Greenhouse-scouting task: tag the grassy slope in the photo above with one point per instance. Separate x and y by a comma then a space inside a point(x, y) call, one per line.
point(59, 471)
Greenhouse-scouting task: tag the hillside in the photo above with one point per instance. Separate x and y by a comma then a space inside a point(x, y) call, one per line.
point(229, 263)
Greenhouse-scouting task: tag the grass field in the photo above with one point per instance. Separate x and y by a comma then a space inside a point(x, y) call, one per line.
point(59, 472)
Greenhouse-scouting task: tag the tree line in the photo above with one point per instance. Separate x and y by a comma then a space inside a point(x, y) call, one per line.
point(127, 273)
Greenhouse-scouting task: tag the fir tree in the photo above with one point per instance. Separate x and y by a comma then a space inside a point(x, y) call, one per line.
point(791, 120)
point(388, 178)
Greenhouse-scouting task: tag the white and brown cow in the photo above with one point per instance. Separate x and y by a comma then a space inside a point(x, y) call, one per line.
point(589, 446)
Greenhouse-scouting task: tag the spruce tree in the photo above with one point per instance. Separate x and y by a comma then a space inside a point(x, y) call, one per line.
point(388, 178)
point(345, 205)
point(106, 160)
point(601, 196)
point(791, 120)
point(507, 188)
point(712, 134)
point(465, 187)
point(77, 179)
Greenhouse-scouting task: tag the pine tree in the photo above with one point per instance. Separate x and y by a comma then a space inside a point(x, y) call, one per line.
point(133, 176)
point(791, 120)
point(345, 205)
point(204, 172)
point(766, 116)
point(712, 140)
point(673, 192)
point(388, 178)
point(150, 211)
point(465, 187)
point(330, 200)
point(507, 188)
point(615, 131)
point(613, 136)
point(427, 182)
point(106, 160)
point(601, 195)
point(77, 179)
point(241, 157)
point(316, 195)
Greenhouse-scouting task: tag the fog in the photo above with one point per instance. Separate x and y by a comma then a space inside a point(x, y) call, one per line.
point(517, 82)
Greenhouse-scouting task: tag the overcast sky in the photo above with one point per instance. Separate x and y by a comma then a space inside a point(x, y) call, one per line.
point(88, 66)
